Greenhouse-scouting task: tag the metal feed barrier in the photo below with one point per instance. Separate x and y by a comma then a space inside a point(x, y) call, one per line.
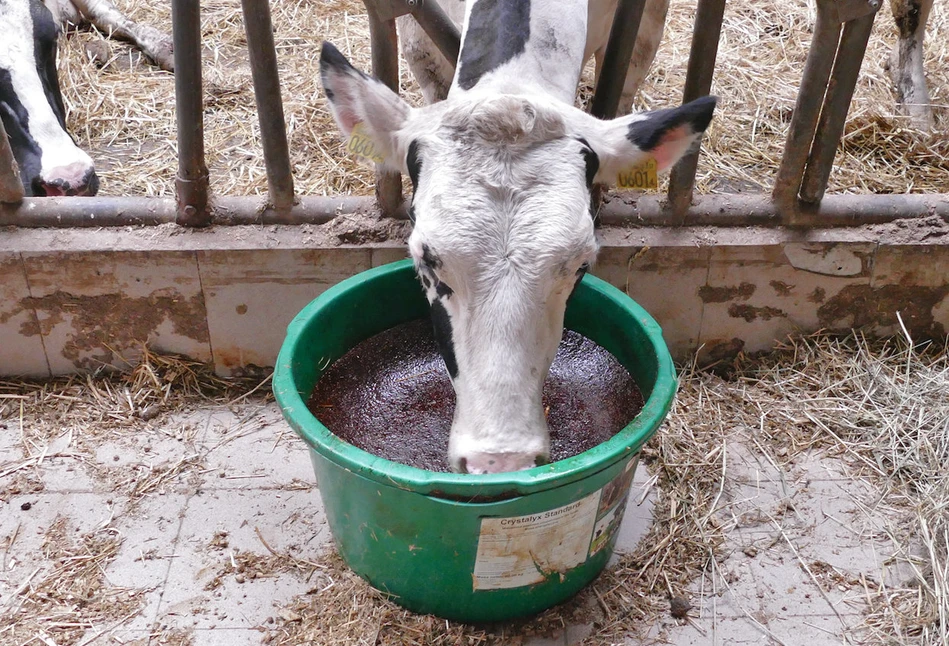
point(797, 199)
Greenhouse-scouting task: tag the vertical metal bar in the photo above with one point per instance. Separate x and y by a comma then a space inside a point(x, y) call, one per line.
point(192, 180)
point(11, 186)
point(820, 60)
point(698, 83)
point(439, 28)
point(830, 128)
point(385, 67)
point(273, 130)
point(619, 49)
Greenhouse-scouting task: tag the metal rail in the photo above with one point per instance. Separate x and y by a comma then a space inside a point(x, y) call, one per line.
point(698, 83)
point(11, 186)
point(385, 67)
point(619, 50)
point(797, 199)
point(273, 129)
point(192, 180)
point(618, 210)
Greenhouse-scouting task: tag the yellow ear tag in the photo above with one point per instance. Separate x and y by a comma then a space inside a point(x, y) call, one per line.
point(643, 176)
point(361, 145)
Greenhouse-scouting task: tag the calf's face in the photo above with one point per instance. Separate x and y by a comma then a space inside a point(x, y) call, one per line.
point(503, 233)
point(31, 105)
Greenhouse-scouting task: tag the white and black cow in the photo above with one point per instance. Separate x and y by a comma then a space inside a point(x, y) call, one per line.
point(502, 171)
point(31, 104)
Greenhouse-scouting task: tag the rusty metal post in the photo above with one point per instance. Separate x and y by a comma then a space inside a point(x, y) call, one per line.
point(619, 49)
point(698, 82)
point(820, 60)
point(192, 180)
point(385, 67)
point(830, 128)
point(273, 129)
point(11, 186)
point(439, 28)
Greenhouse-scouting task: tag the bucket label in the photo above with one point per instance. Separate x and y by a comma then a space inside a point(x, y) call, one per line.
point(609, 513)
point(522, 550)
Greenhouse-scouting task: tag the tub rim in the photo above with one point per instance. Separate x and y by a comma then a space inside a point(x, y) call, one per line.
point(455, 487)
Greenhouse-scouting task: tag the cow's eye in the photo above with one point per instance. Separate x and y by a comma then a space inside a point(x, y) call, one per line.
point(584, 268)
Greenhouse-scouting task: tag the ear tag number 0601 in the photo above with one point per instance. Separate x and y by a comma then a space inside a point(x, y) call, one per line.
point(361, 145)
point(643, 176)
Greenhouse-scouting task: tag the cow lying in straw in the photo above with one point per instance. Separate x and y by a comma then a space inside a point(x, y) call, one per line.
point(157, 46)
point(502, 171)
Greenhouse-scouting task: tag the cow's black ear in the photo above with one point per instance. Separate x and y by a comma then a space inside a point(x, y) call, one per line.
point(658, 138)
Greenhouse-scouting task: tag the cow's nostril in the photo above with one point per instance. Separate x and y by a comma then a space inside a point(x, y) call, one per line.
point(463, 465)
point(541, 460)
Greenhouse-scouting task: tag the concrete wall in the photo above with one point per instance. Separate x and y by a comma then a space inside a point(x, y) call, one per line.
point(78, 299)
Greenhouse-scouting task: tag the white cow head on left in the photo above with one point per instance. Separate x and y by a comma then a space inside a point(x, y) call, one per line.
point(503, 233)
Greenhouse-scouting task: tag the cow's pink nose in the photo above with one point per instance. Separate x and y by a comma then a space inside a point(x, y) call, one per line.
point(74, 179)
point(481, 463)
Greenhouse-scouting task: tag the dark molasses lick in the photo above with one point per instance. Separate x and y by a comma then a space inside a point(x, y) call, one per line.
point(391, 396)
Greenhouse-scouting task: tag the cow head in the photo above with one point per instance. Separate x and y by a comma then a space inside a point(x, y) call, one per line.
point(503, 233)
point(31, 105)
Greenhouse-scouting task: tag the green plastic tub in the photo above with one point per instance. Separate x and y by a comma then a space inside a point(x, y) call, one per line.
point(474, 548)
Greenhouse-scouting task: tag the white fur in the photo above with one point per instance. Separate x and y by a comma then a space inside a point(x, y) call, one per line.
point(503, 203)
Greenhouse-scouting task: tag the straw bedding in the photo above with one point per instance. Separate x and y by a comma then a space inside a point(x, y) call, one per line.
point(881, 407)
point(122, 111)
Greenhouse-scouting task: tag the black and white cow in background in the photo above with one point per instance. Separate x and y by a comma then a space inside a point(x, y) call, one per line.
point(502, 171)
point(31, 104)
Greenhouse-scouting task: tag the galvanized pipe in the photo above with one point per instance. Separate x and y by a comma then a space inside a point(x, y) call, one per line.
point(698, 83)
point(273, 130)
point(385, 67)
point(617, 210)
point(192, 180)
point(833, 117)
point(439, 28)
point(810, 97)
point(11, 186)
point(619, 50)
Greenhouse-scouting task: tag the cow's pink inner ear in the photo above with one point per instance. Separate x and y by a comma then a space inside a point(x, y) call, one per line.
point(673, 144)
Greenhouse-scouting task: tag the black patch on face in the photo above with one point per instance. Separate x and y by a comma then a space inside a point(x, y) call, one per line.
point(647, 133)
point(16, 122)
point(443, 336)
point(584, 268)
point(443, 290)
point(497, 32)
point(45, 34)
point(415, 165)
point(429, 258)
point(592, 161)
point(425, 281)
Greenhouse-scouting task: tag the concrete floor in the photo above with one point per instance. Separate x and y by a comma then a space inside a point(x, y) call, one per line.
point(251, 482)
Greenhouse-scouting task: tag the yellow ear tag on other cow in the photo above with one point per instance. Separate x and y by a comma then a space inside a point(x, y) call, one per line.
point(643, 176)
point(361, 145)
